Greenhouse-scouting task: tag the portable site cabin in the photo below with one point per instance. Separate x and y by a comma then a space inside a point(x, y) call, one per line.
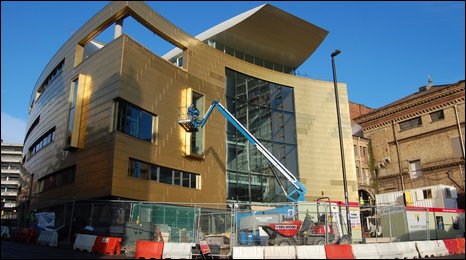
point(438, 196)
point(418, 223)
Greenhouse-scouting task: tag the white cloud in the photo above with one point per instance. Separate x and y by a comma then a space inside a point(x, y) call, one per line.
point(13, 129)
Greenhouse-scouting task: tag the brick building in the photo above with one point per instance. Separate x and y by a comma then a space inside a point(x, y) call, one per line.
point(418, 141)
point(361, 148)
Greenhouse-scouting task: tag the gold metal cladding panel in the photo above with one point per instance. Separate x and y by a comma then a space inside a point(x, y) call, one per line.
point(318, 139)
point(156, 86)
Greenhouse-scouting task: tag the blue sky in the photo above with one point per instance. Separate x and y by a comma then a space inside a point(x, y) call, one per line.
point(388, 48)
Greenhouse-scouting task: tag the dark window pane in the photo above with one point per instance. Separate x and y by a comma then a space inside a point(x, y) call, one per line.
point(186, 180)
point(153, 173)
point(176, 178)
point(412, 123)
point(146, 127)
point(166, 175)
point(134, 121)
point(193, 181)
point(437, 115)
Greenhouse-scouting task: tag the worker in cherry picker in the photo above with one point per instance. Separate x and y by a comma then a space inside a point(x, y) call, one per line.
point(193, 112)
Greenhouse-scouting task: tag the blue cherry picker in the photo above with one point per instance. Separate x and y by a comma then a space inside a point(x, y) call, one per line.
point(284, 233)
point(191, 123)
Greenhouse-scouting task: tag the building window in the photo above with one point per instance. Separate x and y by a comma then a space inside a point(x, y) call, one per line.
point(56, 179)
point(42, 142)
point(55, 72)
point(178, 61)
point(197, 138)
point(135, 122)
point(71, 111)
point(33, 125)
point(437, 116)
point(249, 58)
point(147, 171)
point(267, 110)
point(456, 146)
point(456, 222)
point(412, 123)
point(439, 222)
point(427, 194)
point(447, 193)
point(415, 169)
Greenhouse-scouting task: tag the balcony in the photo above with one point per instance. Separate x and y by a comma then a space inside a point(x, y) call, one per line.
point(9, 193)
point(14, 171)
point(10, 204)
point(10, 182)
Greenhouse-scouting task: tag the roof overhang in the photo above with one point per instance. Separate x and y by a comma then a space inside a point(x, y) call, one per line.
point(269, 33)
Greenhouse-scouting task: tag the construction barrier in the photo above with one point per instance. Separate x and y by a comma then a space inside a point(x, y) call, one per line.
point(48, 238)
point(178, 250)
point(310, 252)
point(388, 251)
point(5, 232)
point(426, 248)
point(279, 252)
point(460, 244)
point(452, 246)
point(339, 252)
point(27, 235)
point(148, 249)
point(407, 249)
point(107, 245)
point(365, 251)
point(84, 242)
point(249, 252)
point(440, 248)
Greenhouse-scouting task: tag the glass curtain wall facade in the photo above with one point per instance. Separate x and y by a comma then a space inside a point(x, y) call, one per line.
point(267, 110)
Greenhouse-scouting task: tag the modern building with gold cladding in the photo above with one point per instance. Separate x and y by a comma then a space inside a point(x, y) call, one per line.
point(103, 117)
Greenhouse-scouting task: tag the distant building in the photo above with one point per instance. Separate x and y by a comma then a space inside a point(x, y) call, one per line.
point(361, 149)
point(11, 168)
point(418, 141)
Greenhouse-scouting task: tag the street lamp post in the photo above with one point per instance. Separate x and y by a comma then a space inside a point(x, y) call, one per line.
point(340, 137)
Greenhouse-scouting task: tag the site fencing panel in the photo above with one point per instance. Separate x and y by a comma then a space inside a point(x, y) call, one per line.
point(243, 224)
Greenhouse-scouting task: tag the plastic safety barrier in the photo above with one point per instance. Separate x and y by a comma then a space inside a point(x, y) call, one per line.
point(366, 251)
point(426, 248)
point(48, 238)
point(5, 232)
point(84, 242)
point(107, 245)
point(310, 252)
point(339, 252)
point(279, 252)
point(388, 251)
point(148, 249)
point(248, 252)
point(28, 235)
point(460, 244)
point(452, 246)
point(178, 250)
point(440, 248)
point(408, 249)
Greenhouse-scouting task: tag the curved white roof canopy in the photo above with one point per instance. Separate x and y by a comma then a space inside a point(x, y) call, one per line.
point(269, 33)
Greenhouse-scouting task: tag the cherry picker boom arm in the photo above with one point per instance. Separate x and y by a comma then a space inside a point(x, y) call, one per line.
point(192, 124)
